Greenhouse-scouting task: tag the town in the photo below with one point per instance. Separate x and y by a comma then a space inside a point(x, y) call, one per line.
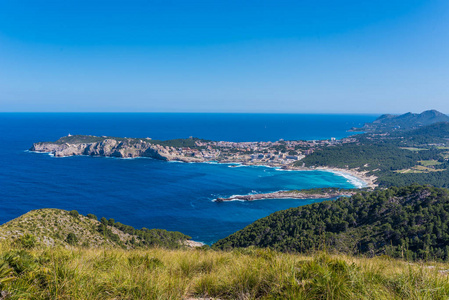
point(280, 153)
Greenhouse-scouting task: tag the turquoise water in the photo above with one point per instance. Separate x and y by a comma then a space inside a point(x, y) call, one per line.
point(155, 194)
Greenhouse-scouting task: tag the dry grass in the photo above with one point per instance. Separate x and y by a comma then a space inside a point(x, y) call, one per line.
point(79, 273)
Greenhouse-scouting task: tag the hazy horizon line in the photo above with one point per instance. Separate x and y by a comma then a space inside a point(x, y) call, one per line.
point(207, 112)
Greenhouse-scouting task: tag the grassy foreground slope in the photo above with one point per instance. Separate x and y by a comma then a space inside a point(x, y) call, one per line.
point(81, 273)
point(407, 222)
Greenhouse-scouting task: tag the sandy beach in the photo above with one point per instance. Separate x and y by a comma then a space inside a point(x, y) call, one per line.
point(370, 181)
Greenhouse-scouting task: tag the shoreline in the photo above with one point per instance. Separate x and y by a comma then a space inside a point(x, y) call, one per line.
point(369, 181)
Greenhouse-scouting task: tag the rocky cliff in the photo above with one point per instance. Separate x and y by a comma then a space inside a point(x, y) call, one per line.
point(112, 147)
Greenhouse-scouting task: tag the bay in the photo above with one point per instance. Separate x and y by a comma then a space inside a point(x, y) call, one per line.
point(155, 194)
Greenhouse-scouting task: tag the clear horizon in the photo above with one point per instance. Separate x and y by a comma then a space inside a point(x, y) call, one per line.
point(308, 57)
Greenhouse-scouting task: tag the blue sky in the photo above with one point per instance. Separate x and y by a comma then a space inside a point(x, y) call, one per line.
point(224, 56)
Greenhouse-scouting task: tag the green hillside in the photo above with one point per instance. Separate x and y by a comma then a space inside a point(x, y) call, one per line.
point(57, 227)
point(398, 158)
point(408, 222)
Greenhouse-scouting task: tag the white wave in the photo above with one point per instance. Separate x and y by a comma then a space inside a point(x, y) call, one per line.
point(232, 200)
point(236, 166)
point(38, 152)
point(264, 166)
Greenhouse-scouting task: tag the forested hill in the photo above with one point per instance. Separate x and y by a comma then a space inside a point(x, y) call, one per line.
point(409, 222)
point(397, 158)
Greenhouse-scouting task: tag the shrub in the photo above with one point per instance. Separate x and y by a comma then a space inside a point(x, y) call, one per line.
point(74, 213)
point(71, 239)
point(92, 216)
point(27, 241)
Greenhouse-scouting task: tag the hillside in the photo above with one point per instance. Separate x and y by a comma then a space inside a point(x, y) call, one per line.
point(396, 158)
point(404, 122)
point(57, 227)
point(434, 133)
point(146, 269)
point(409, 222)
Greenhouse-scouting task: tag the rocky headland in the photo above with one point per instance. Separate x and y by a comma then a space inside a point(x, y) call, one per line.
point(326, 193)
point(112, 147)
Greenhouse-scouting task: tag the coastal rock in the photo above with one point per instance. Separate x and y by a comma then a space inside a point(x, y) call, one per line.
point(112, 148)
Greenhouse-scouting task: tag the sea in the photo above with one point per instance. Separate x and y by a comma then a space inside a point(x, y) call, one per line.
point(149, 193)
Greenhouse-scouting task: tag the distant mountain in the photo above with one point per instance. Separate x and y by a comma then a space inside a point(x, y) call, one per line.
point(406, 121)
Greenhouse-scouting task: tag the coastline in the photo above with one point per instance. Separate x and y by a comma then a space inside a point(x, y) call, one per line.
point(369, 181)
point(360, 176)
point(350, 174)
point(194, 151)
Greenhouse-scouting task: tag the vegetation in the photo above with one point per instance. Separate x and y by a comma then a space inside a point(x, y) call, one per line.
point(396, 158)
point(143, 237)
point(380, 157)
point(80, 273)
point(409, 222)
point(179, 143)
point(435, 133)
point(56, 227)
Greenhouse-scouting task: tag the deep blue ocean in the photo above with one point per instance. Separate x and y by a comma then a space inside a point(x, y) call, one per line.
point(155, 194)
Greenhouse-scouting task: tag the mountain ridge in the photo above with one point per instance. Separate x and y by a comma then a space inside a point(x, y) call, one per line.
point(407, 121)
